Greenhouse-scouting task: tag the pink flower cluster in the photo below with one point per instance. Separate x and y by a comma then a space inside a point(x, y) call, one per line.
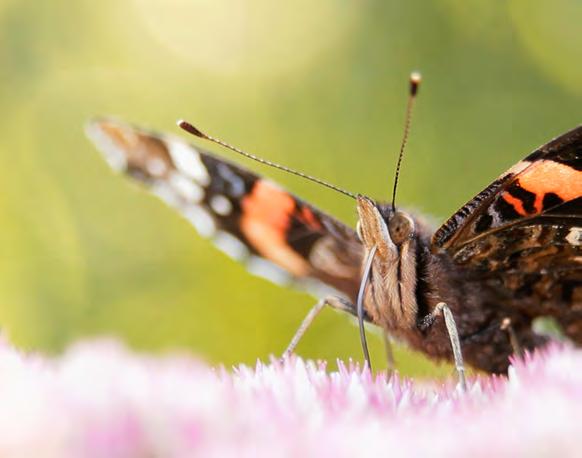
point(101, 400)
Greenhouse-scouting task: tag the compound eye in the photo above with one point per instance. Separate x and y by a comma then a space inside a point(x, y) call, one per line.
point(359, 231)
point(400, 228)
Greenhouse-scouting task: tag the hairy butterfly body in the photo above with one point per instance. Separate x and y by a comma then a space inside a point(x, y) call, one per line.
point(512, 254)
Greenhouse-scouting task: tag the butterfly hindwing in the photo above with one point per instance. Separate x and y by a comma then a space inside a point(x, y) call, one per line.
point(274, 233)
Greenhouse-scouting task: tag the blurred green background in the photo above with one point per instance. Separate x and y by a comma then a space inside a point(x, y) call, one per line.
point(319, 86)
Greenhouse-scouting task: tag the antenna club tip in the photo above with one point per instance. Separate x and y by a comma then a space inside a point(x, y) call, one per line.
point(190, 128)
point(415, 79)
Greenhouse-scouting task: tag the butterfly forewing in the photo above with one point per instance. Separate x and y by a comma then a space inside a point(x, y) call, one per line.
point(277, 235)
point(523, 234)
point(548, 182)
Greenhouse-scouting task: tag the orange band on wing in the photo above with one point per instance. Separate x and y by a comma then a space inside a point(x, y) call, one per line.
point(270, 205)
point(265, 219)
point(515, 203)
point(551, 177)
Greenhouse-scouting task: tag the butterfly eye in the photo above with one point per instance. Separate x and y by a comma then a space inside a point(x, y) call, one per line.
point(359, 231)
point(400, 228)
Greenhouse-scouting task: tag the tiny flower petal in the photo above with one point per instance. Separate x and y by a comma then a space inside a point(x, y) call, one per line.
point(101, 400)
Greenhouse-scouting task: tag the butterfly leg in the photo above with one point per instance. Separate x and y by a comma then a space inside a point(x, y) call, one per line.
point(444, 310)
point(335, 302)
point(390, 365)
point(515, 345)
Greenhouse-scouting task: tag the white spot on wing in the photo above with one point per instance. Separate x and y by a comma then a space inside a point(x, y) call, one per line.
point(232, 246)
point(496, 221)
point(266, 269)
point(220, 205)
point(186, 188)
point(165, 192)
point(201, 220)
point(574, 237)
point(187, 161)
point(237, 185)
point(156, 166)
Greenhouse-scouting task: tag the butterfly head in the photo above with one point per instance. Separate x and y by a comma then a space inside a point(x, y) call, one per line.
point(393, 274)
point(383, 227)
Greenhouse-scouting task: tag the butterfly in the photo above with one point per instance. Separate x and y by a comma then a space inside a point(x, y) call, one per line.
point(512, 254)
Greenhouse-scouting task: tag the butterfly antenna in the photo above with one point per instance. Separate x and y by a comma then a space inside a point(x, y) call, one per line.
point(415, 79)
point(195, 131)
